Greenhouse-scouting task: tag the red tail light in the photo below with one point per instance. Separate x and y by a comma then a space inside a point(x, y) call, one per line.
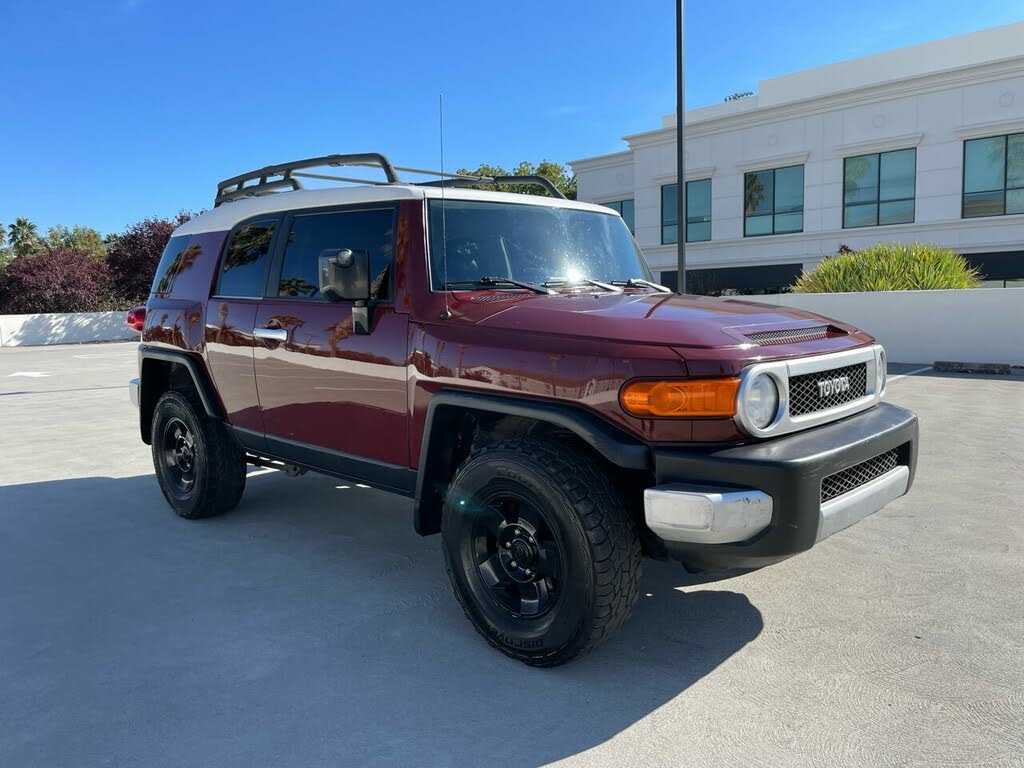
point(136, 318)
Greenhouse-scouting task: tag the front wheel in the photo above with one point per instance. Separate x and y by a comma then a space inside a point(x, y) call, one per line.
point(541, 552)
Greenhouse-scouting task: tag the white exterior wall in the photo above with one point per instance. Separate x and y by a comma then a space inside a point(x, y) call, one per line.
point(64, 328)
point(977, 326)
point(932, 97)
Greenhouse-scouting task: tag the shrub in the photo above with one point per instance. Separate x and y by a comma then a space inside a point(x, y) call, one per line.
point(133, 256)
point(890, 267)
point(55, 281)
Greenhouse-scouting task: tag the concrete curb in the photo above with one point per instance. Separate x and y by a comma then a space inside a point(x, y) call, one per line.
point(945, 366)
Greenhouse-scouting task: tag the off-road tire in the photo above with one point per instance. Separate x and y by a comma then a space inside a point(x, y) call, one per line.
point(218, 460)
point(600, 554)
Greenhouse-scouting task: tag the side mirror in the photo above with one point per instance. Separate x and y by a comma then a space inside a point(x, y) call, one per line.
point(345, 274)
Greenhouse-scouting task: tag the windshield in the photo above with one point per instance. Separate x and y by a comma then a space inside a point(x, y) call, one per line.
point(529, 243)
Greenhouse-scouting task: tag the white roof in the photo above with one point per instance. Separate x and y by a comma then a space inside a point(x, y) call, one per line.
point(226, 215)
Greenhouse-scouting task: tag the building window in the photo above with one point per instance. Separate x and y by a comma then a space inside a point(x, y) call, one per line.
point(878, 189)
point(994, 176)
point(625, 209)
point(698, 212)
point(773, 201)
point(736, 281)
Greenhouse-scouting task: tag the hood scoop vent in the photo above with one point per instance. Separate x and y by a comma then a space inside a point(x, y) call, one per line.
point(790, 335)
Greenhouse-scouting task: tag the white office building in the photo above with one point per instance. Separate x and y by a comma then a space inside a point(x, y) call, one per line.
point(924, 143)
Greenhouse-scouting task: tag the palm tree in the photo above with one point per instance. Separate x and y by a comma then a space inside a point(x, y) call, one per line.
point(24, 236)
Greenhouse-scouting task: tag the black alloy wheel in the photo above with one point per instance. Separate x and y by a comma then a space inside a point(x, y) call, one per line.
point(541, 551)
point(199, 464)
point(517, 555)
point(179, 457)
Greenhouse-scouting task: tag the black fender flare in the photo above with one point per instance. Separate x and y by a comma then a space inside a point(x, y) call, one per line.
point(614, 444)
point(197, 371)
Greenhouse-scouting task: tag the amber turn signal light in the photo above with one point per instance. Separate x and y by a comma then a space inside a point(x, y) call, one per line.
point(693, 397)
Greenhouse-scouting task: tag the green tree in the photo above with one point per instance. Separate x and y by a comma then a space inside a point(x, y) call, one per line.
point(556, 172)
point(78, 239)
point(890, 267)
point(24, 237)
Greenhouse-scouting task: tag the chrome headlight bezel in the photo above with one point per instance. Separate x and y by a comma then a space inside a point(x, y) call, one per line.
point(881, 375)
point(762, 385)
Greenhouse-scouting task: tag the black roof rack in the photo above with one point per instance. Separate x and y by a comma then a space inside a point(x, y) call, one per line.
point(290, 173)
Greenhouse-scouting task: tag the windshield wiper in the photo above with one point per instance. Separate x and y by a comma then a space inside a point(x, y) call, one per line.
point(636, 282)
point(583, 281)
point(496, 281)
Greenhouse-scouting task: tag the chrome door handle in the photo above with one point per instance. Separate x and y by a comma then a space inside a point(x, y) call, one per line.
point(271, 334)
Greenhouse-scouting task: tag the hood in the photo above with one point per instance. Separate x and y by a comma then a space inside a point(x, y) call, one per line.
point(669, 319)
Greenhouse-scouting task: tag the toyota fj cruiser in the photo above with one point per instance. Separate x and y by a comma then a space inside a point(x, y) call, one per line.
point(506, 362)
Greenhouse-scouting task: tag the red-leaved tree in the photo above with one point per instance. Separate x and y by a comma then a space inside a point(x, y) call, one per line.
point(134, 255)
point(55, 281)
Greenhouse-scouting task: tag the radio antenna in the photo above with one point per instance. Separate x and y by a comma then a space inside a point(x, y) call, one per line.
point(444, 228)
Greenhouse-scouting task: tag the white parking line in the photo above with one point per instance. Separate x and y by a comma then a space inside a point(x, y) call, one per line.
point(910, 373)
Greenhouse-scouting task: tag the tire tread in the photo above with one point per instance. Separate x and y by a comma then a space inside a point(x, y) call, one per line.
point(610, 530)
point(225, 480)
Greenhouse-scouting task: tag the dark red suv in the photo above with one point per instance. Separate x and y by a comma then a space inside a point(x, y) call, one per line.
point(506, 361)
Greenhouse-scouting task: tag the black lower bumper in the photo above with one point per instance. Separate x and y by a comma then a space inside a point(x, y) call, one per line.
point(790, 470)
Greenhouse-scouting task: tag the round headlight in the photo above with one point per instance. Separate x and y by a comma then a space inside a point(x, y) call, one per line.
point(762, 401)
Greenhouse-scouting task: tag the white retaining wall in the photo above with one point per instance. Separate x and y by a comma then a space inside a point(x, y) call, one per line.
point(64, 328)
point(980, 325)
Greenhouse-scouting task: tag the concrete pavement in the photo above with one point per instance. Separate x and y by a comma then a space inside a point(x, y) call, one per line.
point(313, 627)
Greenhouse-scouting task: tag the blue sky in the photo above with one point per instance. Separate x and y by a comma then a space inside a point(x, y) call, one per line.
point(111, 111)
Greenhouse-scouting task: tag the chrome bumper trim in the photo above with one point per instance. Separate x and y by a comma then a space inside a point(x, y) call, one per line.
point(843, 511)
point(705, 514)
point(133, 392)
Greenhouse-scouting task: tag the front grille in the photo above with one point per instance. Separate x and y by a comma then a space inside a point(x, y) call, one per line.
point(789, 336)
point(858, 475)
point(805, 396)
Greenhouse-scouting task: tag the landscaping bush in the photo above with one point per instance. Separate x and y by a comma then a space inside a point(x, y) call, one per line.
point(55, 281)
point(133, 256)
point(889, 267)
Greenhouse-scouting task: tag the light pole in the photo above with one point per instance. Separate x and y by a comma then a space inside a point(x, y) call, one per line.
point(680, 156)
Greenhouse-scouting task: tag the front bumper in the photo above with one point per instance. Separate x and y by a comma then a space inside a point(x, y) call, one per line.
point(753, 505)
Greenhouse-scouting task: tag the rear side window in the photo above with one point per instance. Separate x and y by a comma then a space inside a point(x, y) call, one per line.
point(176, 257)
point(312, 234)
point(241, 273)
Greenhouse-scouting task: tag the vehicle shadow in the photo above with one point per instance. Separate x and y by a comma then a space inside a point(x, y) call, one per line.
point(311, 626)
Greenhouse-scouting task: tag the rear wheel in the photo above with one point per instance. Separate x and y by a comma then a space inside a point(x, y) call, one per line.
point(541, 552)
point(198, 463)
